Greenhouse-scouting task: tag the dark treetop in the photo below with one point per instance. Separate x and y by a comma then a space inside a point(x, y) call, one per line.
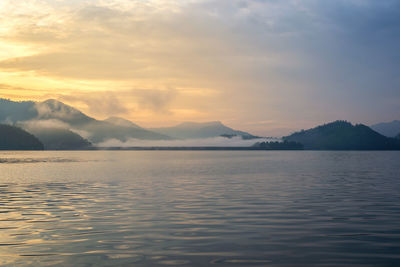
point(285, 145)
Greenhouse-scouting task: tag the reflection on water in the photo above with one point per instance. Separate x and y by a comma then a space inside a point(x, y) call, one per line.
point(199, 208)
point(33, 160)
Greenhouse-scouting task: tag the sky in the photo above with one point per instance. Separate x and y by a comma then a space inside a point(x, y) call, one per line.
point(264, 66)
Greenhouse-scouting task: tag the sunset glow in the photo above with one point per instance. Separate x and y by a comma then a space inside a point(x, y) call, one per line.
point(262, 66)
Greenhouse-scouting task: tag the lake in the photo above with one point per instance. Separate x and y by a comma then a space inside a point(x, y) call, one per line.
point(199, 208)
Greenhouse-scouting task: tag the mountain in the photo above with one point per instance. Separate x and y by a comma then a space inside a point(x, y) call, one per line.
point(389, 129)
point(122, 122)
point(11, 111)
point(97, 131)
point(101, 131)
point(60, 139)
point(342, 135)
point(195, 130)
point(14, 138)
point(69, 118)
point(55, 110)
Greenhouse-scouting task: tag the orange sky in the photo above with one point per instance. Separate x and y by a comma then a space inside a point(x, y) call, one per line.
point(161, 62)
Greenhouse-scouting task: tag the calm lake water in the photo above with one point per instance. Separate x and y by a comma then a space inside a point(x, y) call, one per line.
point(199, 208)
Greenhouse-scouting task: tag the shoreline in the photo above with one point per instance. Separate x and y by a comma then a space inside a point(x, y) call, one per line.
point(196, 149)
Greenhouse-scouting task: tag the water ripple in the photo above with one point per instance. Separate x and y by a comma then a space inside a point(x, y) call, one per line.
point(317, 210)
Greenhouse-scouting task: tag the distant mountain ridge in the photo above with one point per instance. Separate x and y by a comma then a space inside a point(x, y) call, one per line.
point(122, 122)
point(52, 124)
point(389, 129)
point(195, 130)
point(98, 131)
point(342, 135)
point(70, 119)
point(60, 126)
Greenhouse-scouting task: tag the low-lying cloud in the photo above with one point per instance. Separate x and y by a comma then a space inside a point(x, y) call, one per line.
point(205, 142)
point(50, 123)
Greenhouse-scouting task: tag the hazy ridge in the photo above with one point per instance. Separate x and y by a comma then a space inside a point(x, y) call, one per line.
point(60, 126)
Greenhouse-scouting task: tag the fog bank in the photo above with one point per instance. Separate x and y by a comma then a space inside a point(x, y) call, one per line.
point(205, 142)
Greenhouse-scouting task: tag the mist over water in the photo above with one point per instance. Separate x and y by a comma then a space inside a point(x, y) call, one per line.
point(203, 208)
point(236, 141)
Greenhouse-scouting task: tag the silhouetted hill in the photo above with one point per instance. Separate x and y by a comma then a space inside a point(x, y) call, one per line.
point(389, 129)
point(342, 135)
point(14, 138)
point(194, 130)
point(60, 139)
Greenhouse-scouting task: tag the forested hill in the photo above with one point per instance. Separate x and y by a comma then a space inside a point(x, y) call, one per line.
point(14, 138)
point(60, 139)
point(342, 135)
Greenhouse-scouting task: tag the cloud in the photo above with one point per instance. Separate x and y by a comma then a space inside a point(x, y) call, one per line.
point(100, 103)
point(49, 124)
point(109, 103)
point(82, 133)
point(55, 109)
point(97, 41)
point(155, 100)
point(298, 62)
point(44, 124)
point(213, 142)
